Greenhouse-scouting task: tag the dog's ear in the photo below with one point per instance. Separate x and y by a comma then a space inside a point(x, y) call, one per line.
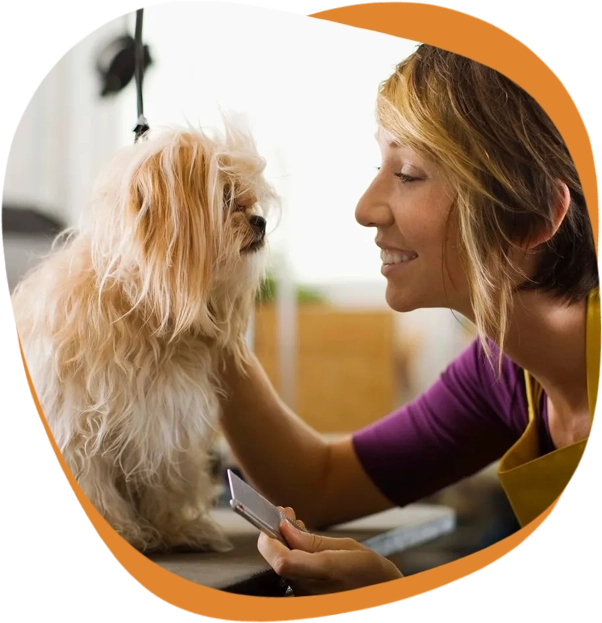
point(175, 203)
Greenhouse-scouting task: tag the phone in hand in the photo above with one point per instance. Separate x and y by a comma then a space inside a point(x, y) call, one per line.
point(255, 508)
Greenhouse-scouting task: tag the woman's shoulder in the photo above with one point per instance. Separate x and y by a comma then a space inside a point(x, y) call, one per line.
point(466, 420)
point(474, 357)
point(502, 387)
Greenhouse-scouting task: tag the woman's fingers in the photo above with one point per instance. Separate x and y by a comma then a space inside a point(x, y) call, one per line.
point(309, 542)
point(301, 539)
point(288, 511)
point(293, 564)
point(290, 514)
point(316, 564)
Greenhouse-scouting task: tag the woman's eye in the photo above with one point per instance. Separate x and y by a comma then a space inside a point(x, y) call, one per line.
point(406, 178)
point(403, 177)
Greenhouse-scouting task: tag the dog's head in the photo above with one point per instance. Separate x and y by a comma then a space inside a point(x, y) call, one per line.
point(180, 225)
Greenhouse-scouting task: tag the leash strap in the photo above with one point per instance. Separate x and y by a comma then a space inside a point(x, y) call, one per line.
point(142, 126)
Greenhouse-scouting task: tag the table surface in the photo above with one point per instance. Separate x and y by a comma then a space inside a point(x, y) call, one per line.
point(389, 532)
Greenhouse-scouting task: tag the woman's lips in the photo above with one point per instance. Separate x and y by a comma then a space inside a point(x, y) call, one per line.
point(395, 260)
point(395, 256)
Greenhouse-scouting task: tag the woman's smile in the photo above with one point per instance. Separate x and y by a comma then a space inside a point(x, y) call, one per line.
point(395, 260)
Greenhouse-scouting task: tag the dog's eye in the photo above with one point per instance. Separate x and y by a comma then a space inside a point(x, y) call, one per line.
point(238, 207)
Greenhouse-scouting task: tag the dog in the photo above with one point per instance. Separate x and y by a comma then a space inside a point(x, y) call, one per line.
point(125, 324)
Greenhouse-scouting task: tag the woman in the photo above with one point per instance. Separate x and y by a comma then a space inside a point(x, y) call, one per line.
point(477, 207)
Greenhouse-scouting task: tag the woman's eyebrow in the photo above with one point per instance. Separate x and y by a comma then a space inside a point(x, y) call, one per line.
point(393, 144)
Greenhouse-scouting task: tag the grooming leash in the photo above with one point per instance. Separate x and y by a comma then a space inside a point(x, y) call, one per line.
point(142, 126)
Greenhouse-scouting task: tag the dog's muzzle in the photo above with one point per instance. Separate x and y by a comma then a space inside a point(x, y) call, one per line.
point(258, 225)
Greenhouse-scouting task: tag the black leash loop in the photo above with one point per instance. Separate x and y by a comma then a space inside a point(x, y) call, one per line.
point(142, 125)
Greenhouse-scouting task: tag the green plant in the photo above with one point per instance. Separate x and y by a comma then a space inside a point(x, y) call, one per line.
point(269, 289)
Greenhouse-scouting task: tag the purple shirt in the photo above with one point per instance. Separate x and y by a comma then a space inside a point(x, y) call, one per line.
point(467, 420)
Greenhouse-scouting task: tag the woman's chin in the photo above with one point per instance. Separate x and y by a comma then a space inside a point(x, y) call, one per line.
point(401, 301)
point(408, 299)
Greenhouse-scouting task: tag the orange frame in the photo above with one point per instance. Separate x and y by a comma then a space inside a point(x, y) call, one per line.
point(491, 46)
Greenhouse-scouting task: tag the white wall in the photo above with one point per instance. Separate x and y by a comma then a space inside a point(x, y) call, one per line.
point(308, 87)
point(65, 135)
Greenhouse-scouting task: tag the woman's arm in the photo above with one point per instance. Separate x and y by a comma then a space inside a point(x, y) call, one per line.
point(288, 461)
point(463, 423)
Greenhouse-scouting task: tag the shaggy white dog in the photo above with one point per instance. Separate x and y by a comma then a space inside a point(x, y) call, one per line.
point(124, 326)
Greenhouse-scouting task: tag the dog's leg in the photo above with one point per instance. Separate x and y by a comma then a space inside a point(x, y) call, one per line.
point(180, 511)
point(100, 482)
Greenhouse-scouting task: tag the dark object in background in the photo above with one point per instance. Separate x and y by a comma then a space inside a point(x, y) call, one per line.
point(483, 517)
point(30, 221)
point(505, 523)
point(116, 64)
point(263, 584)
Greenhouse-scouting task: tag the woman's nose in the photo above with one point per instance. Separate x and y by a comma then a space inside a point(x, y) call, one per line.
point(373, 209)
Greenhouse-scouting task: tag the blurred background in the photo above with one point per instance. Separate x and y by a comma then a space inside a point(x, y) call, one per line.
point(336, 353)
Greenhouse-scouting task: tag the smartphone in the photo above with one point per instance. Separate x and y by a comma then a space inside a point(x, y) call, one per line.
point(255, 508)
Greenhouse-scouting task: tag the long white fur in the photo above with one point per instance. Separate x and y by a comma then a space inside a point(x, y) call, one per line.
point(124, 325)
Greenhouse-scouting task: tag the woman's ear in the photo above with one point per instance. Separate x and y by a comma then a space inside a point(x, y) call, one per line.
point(560, 209)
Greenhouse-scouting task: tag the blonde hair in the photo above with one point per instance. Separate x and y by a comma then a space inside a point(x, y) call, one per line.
point(504, 158)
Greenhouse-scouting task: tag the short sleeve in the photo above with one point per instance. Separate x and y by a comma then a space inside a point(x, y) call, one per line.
point(453, 430)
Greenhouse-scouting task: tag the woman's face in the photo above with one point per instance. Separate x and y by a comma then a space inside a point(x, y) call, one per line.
point(409, 203)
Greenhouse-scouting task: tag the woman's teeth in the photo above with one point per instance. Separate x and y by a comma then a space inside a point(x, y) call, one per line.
point(397, 257)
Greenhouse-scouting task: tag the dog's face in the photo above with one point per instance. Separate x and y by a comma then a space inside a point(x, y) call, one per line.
point(182, 225)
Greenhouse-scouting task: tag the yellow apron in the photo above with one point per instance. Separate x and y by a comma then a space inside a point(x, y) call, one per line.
point(533, 482)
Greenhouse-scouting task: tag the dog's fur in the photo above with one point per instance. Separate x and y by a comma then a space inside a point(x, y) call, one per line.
point(124, 326)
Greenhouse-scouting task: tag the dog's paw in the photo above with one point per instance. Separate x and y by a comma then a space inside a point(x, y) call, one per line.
point(145, 539)
point(201, 536)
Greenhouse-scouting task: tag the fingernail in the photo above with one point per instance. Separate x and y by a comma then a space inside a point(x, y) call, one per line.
point(296, 525)
point(286, 522)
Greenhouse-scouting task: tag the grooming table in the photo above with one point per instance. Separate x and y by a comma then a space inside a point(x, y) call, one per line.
point(243, 571)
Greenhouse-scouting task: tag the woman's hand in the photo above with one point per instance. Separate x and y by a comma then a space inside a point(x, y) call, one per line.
point(316, 564)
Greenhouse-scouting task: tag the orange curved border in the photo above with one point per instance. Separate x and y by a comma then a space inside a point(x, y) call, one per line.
point(483, 42)
point(214, 603)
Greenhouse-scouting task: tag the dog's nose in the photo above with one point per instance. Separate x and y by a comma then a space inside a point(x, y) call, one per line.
point(258, 223)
